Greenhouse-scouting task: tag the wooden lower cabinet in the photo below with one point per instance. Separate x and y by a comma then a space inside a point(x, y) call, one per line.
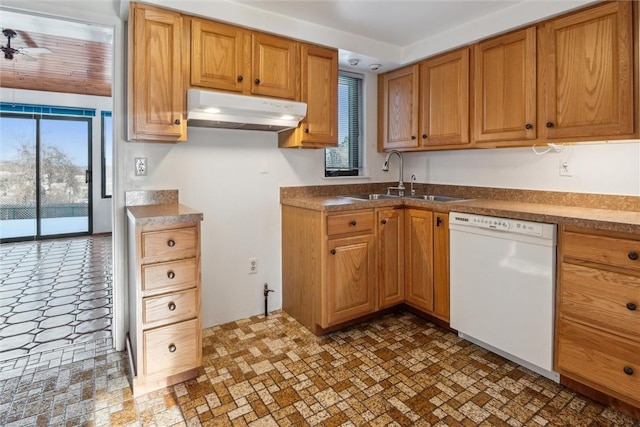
point(598, 315)
point(339, 267)
point(328, 266)
point(427, 262)
point(164, 298)
point(349, 292)
point(390, 247)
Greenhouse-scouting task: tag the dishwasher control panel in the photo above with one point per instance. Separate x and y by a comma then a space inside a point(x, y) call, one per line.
point(501, 224)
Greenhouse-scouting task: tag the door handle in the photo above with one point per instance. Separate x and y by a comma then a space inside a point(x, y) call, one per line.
point(87, 176)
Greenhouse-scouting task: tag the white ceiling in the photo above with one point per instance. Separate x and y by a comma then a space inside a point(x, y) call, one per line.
point(395, 22)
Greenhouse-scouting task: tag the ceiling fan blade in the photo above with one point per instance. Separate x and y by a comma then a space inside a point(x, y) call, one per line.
point(27, 57)
point(34, 50)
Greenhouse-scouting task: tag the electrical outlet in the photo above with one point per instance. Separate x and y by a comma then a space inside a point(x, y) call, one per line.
point(565, 168)
point(253, 265)
point(141, 166)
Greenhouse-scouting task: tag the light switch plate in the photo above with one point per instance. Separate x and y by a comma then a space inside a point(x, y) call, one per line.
point(141, 166)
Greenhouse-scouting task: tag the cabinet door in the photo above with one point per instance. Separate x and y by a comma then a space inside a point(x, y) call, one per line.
point(218, 57)
point(444, 99)
point(349, 290)
point(589, 73)
point(399, 108)
point(505, 88)
point(419, 259)
point(390, 247)
point(156, 92)
point(441, 265)
point(274, 66)
point(319, 89)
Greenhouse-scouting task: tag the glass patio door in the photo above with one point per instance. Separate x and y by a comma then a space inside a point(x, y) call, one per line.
point(45, 173)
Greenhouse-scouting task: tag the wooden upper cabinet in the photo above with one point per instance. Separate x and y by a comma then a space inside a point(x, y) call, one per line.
point(274, 65)
point(220, 56)
point(398, 98)
point(444, 99)
point(156, 92)
point(319, 89)
point(505, 88)
point(589, 67)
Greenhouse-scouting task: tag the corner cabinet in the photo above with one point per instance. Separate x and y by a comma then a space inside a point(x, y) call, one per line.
point(157, 97)
point(319, 90)
point(598, 314)
point(164, 298)
point(390, 253)
point(427, 262)
point(398, 99)
point(589, 73)
point(425, 105)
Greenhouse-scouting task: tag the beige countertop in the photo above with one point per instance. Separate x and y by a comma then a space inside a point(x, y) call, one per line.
point(606, 219)
point(162, 214)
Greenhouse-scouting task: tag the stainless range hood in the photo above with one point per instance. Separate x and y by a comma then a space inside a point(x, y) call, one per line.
point(232, 111)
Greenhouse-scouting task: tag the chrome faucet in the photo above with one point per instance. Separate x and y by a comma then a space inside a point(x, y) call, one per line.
point(385, 168)
point(413, 190)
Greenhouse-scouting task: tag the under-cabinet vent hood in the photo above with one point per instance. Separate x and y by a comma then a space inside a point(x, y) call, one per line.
point(232, 111)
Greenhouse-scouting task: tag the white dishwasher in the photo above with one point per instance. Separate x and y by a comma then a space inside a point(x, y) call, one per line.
point(503, 287)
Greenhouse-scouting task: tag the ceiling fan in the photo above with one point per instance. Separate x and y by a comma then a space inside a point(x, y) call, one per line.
point(25, 52)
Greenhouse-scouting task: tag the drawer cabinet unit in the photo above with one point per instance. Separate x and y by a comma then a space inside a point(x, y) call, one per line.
point(164, 298)
point(598, 312)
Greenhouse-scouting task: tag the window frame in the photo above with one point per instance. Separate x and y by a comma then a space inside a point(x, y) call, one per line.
point(358, 169)
point(103, 159)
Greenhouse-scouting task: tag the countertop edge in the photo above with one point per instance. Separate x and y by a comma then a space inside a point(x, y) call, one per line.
point(604, 219)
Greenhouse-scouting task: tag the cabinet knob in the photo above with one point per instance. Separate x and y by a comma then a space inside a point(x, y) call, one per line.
point(176, 122)
point(631, 306)
point(257, 81)
point(438, 221)
point(171, 243)
point(413, 137)
point(353, 222)
point(528, 126)
point(306, 130)
point(384, 221)
point(172, 306)
point(240, 78)
point(633, 256)
point(171, 274)
point(628, 370)
point(333, 251)
point(424, 136)
point(172, 348)
point(549, 124)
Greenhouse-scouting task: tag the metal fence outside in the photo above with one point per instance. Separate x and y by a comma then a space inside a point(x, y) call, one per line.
point(58, 210)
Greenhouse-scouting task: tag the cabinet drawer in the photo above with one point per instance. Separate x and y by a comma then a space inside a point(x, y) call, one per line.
point(607, 299)
point(170, 244)
point(169, 308)
point(352, 222)
point(170, 275)
point(171, 349)
point(606, 250)
point(600, 357)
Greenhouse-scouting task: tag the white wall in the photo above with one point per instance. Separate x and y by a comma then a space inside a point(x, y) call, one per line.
point(102, 208)
point(606, 168)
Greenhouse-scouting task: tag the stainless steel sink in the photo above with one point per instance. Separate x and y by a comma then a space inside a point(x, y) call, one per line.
point(436, 198)
point(372, 196)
